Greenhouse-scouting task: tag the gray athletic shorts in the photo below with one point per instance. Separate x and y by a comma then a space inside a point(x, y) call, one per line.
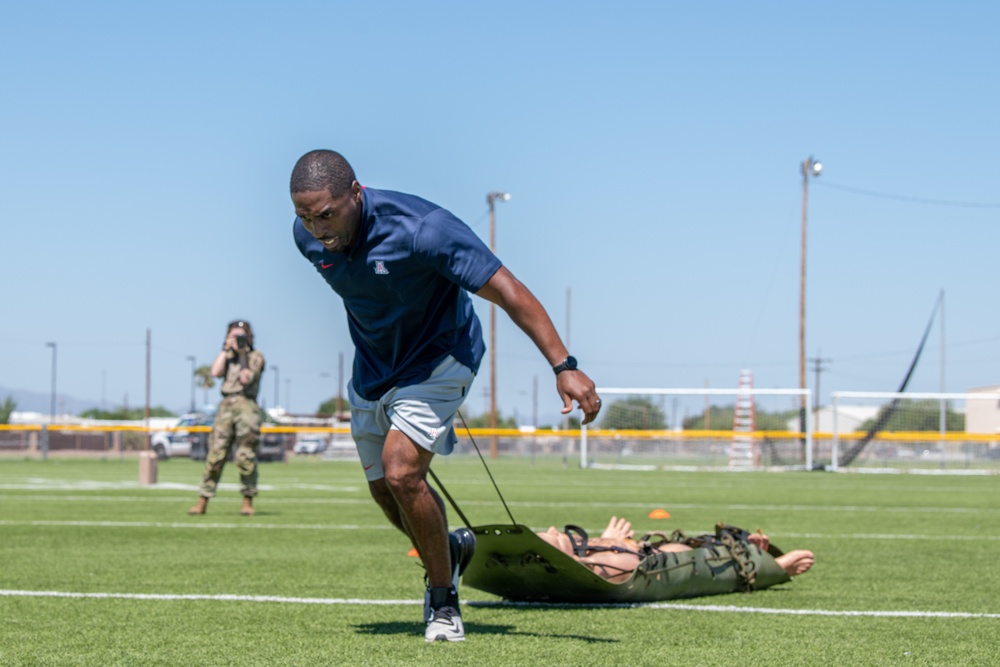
point(424, 412)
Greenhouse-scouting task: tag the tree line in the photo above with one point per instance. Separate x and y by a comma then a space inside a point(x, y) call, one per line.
point(641, 413)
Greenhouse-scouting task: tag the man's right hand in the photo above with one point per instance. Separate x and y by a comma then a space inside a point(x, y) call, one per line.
point(576, 385)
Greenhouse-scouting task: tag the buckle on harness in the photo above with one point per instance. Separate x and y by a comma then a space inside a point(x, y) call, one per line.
point(579, 540)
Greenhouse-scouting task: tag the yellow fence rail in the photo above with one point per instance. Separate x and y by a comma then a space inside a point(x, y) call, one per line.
point(637, 434)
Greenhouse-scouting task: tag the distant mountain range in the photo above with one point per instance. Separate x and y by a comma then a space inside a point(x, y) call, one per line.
point(31, 401)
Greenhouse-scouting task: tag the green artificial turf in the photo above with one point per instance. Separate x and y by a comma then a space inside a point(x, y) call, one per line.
point(319, 559)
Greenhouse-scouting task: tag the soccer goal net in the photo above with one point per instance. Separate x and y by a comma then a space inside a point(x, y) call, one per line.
point(738, 428)
point(910, 431)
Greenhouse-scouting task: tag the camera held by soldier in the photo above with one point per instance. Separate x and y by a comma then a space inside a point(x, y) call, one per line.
point(235, 344)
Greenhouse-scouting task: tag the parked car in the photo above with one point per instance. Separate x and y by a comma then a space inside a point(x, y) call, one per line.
point(273, 446)
point(174, 442)
point(311, 443)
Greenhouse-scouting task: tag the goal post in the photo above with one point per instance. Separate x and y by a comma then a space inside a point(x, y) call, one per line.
point(911, 431)
point(735, 428)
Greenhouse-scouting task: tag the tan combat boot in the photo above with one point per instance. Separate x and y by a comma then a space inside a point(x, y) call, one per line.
point(200, 507)
point(247, 509)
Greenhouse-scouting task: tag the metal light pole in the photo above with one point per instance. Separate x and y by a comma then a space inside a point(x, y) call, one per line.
point(810, 168)
point(194, 367)
point(52, 406)
point(491, 199)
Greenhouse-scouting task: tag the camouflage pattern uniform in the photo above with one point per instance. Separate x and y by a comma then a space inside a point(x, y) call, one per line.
point(237, 421)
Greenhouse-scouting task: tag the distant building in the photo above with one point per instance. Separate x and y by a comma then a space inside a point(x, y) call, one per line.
point(37, 418)
point(983, 416)
point(849, 418)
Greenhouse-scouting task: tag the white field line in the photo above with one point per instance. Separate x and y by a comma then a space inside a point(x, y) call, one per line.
point(181, 499)
point(745, 610)
point(893, 536)
point(363, 602)
point(385, 526)
point(195, 524)
point(493, 503)
point(57, 485)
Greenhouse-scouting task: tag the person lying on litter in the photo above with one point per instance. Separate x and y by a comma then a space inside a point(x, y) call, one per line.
point(616, 554)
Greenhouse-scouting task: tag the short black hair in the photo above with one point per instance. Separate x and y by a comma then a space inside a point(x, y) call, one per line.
point(322, 170)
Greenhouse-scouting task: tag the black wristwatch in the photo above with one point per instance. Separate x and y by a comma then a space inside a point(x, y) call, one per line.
point(568, 364)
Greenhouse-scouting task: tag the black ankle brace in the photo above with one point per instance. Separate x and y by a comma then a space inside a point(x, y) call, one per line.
point(443, 597)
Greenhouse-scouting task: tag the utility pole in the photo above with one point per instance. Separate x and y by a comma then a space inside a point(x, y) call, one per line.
point(534, 402)
point(708, 409)
point(194, 367)
point(52, 406)
point(818, 368)
point(943, 408)
point(569, 301)
point(149, 341)
point(340, 384)
point(277, 376)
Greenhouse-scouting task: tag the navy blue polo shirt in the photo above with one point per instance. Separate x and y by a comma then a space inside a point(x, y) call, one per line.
point(405, 283)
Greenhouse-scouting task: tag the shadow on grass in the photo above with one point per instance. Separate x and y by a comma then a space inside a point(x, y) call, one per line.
point(417, 629)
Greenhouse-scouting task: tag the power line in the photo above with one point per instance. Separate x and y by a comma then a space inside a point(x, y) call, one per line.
point(72, 344)
point(912, 200)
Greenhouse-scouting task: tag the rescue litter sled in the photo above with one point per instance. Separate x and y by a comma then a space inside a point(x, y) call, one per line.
point(511, 561)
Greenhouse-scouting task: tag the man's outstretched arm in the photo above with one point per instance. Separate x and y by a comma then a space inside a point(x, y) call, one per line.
point(524, 309)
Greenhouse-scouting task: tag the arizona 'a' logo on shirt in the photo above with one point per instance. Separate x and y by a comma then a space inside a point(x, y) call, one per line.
point(380, 268)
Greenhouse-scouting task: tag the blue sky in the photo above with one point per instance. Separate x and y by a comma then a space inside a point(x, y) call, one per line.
point(652, 150)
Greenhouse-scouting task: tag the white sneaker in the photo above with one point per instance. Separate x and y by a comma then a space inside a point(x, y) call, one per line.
point(461, 547)
point(445, 626)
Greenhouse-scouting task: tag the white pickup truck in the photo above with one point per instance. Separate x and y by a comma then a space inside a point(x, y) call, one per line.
point(175, 442)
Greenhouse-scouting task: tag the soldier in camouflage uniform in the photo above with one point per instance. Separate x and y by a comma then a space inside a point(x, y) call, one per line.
point(238, 418)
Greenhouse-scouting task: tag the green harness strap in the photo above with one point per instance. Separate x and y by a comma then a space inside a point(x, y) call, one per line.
point(736, 540)
point(511, 561)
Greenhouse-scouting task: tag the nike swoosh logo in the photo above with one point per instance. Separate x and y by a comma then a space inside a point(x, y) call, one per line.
point(370, 467)
point(324, 265)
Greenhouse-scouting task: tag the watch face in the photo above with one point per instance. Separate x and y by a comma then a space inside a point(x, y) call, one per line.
point(568, 364)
